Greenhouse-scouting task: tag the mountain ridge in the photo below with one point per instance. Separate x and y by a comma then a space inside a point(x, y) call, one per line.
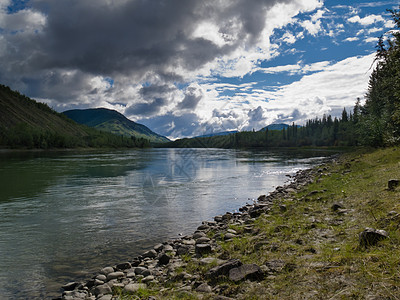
point(112, 121)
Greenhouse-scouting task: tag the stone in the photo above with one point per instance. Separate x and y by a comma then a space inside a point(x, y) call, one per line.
point(115, 275)
point(148, 278)
point(337, 206)
point(229, 236)
point(203, 240)
point(202, 249)
point(244, 272)
point(223, 270)
point(107, 270)
point(202, 227)
point(164, 259)
point(392, 184)
point(218, 219)
point(134, 287)
point(140, 270)
point(150, 254)
point(276, 265)
point(158, 247)
point(210, 260)
point(98, 282)
point(124, 266)
point(106, 297)
point(103, 289)
point(168, 248)
point(370, 236)
point(182, 249)
point(204, 288)
point(198, 234)
point(70, 286)
point(101, 277)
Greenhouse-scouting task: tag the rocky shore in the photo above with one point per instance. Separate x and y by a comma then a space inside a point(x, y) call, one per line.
point(166, 265)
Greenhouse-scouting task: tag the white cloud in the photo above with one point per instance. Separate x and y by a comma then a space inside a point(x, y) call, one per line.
point(368, 20)
point(371, 40)
point(289, 38)
point(351, 39)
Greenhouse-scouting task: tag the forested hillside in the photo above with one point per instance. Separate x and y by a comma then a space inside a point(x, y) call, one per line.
point(25, 123)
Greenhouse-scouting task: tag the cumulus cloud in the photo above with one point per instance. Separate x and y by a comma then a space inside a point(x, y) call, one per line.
point(367, 20)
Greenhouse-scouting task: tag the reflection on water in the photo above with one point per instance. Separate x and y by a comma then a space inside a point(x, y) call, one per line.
point(64, 215)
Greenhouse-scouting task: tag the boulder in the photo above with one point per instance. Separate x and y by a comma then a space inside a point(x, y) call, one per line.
point(229, 236)
point(183, 249)
point(107, 270)
point(103, 289)
point(244, 272)
point(164, 259)
point(70, 286)
point(115, 275)
point(124, 266)
point(202, 249)
point(223, 270)
point(371, 236)
point(203, 240)
point(150, 254)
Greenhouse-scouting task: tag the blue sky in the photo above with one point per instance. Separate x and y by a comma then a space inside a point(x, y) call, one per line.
point(186, 68)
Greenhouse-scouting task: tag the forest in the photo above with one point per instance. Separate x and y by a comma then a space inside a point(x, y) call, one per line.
point(376, 123)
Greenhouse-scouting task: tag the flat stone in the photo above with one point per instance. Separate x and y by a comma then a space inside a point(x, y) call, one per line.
point(124, 266)
point(105, 297)
point(198, 234)
point(98, 282)
point(168, 248)
point(107, 270)
point(232, 231)
point(158, 247)
point(115, 275)
point(103, 289)
point(210, 260)
point(229, 236)
point(248, 271)
point(182, 249)
point(148, 278)
point(140, 270)
point(203, 240)
point(189, 242)
point(204, 288)
point(134, 287)
point(223, 270)
point(101, 277)
point(150, 254)
point(202, 227)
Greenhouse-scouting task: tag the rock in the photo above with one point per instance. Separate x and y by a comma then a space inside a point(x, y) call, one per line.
point(250, 271)
point(164, 259)
point(218, 219)
point(70, 286)
point(75, 295)
point(203, 240)
point(202, 249)
point(392, 184)
point(370, 236)
point(182, 249)
point(210, 260)
point(101, 277)
point(202, 227)
point(106, 297)
point(204, 288)
point(124, 266)
point(148, 278)
point(107, 270)
point(337, 206)
point(150, 254)
point(229, 236)
point(168, 248)
point(158, 247)
point(98, 282)
point(282, 208)
point(231, 231)
point(140, 270)
point(198, 234)
point(223, 270)
point(276, 265)
point(103, 289)
point(115, 275)
point(134, 287)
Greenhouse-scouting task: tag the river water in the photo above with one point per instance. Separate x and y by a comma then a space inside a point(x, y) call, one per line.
point(65, 215)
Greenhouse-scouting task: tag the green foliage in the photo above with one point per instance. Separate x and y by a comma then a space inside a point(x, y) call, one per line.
point(381, 112)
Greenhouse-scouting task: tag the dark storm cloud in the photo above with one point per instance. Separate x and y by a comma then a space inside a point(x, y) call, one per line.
point(132, 37)
point(146, 109)
point(191, 99)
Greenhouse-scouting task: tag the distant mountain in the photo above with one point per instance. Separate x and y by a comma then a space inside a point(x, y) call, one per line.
point(275, 127)
point(30, 124)
point(114, 122)
point(217, 134)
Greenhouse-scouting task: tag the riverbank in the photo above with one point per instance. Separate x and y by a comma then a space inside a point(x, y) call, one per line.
point(299, 242)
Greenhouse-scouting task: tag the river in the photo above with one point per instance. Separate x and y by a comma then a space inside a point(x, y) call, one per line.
point(66, 214)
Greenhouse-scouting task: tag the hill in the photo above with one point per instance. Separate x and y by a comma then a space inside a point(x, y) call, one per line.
point(114, 122)
point(30, 124)
point(275, 127)
point(217, 134)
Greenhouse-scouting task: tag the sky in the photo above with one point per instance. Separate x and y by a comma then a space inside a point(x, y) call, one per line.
point(190, 67)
